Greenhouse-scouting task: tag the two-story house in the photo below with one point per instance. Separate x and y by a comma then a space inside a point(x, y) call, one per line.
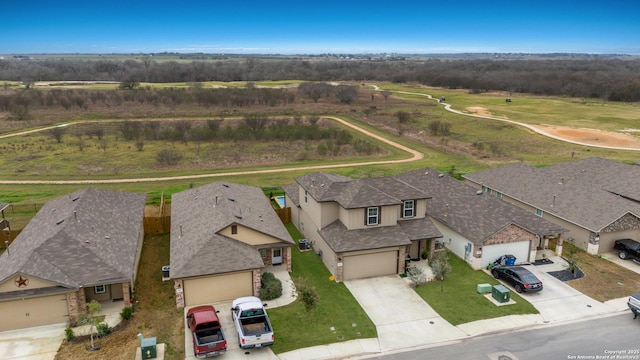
point(370, 227)
point(361, 228)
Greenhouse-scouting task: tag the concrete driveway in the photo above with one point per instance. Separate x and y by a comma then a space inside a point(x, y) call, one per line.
point(401, 317)
point(37, 343)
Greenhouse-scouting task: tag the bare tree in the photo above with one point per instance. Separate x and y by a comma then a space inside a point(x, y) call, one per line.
point(346, 93)
point(57, 133)
point(403, 116)
point(385, 93)
point(440, 267)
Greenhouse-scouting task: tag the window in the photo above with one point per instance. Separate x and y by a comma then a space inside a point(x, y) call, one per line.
point(499, 195)
point(539, 212)
point(306, 195)
point(234, 229)
point(372, 215)
point(263, 253)
point(408, 209)
point(99, 289)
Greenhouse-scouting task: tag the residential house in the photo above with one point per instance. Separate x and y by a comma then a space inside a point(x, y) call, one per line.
point(79, 247)
point(223, 235)
point(480, 228)
point(597, 200)
point(361, 228)
point(370, 227)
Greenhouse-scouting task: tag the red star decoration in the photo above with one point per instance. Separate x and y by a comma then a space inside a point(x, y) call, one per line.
point(21, 282)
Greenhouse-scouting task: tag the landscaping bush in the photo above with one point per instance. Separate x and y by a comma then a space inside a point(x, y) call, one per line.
point(68, 333)
point(126, 313)
point(103, 329)
point(271, 287)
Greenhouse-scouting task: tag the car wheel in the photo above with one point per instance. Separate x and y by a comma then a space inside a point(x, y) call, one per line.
point(518, 289)
point(623, 255)
point(495, 274)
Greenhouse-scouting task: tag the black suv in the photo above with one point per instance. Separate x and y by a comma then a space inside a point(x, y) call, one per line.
point(627, 249)
point(521, 278)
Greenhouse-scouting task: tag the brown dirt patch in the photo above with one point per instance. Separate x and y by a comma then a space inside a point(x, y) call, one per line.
point(593, 136)
point(478, 110)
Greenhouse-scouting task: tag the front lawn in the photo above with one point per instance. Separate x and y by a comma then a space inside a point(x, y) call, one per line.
point(457, 300)
point(337, 317)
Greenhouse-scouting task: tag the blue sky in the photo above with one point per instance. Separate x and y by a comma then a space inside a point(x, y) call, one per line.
point(312, 27)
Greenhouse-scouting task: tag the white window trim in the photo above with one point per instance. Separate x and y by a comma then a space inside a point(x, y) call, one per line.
point(539, 212)
point(405, 209)
point(104, 289)
point(376, 216)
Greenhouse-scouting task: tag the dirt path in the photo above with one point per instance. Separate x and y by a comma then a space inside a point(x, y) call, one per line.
point(414, 156)
point(578, 136)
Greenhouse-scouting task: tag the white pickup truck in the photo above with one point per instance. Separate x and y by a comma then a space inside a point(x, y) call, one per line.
point(634, 304)
point(252, 322)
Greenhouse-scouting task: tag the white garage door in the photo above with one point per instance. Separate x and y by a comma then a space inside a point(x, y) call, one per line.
point(218, 288)
point(370, 265)
point(519, 249)
point(19, 314)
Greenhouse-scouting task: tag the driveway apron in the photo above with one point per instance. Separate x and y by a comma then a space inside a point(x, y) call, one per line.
point(401, 317)
point(36, 343)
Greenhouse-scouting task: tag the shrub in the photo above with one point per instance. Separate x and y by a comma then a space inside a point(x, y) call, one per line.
point(168, 157)
point(68, 333)
point(126, 313)
point(103, 329)
point(271, 287)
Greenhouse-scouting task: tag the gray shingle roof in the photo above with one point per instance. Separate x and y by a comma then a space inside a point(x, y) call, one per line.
point(197, 215)
point(292, 192)
point(474, 216)
point(352, 194)
point(86, 238)
point(589, 192)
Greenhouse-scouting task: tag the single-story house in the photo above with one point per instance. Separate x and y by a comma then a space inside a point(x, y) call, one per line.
point(480, 228)
point(222, 237)
point(596, 199)
point(79, 247)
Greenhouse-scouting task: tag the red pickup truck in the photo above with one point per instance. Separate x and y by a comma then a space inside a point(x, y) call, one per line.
point(206, 331)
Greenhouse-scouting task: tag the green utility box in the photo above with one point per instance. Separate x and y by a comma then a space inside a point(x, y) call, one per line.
point(501, 293)
point(148, 348)
point(483, 288)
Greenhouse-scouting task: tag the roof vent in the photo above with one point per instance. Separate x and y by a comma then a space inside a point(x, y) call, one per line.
point(75, 198)
point(232, 199)
point(440, 175)
point(225, 185)
point(59, 221)
point(479, 192)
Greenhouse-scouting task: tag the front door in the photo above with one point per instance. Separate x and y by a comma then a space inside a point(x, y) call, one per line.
point(276, 256)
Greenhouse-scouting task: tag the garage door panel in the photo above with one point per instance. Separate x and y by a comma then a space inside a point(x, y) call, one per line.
point(370, 265)
point(20, 314)
point(217, 288)
point(518, 249)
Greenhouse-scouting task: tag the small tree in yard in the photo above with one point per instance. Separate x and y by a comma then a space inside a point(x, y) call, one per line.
point(441, 267)
point(307, 294)
point(90, 318)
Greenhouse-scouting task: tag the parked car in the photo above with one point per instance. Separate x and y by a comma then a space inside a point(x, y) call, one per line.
point(521, 278)
point(627, 249)
point(634, 304)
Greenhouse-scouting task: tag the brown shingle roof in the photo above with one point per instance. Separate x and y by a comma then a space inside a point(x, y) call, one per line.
point(591, 193)
point(86, 238)
point(197, 215)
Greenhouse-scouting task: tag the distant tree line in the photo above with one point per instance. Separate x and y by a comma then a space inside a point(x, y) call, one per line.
point(604, 78)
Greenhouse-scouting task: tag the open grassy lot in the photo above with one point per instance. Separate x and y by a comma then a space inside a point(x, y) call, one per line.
point(457, 301)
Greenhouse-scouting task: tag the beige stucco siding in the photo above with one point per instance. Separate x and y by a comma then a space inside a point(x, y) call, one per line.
point(217, 288)
point(24, 313)
point(249, 236)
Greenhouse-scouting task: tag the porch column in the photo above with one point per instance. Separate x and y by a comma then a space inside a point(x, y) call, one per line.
point(178, 287)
